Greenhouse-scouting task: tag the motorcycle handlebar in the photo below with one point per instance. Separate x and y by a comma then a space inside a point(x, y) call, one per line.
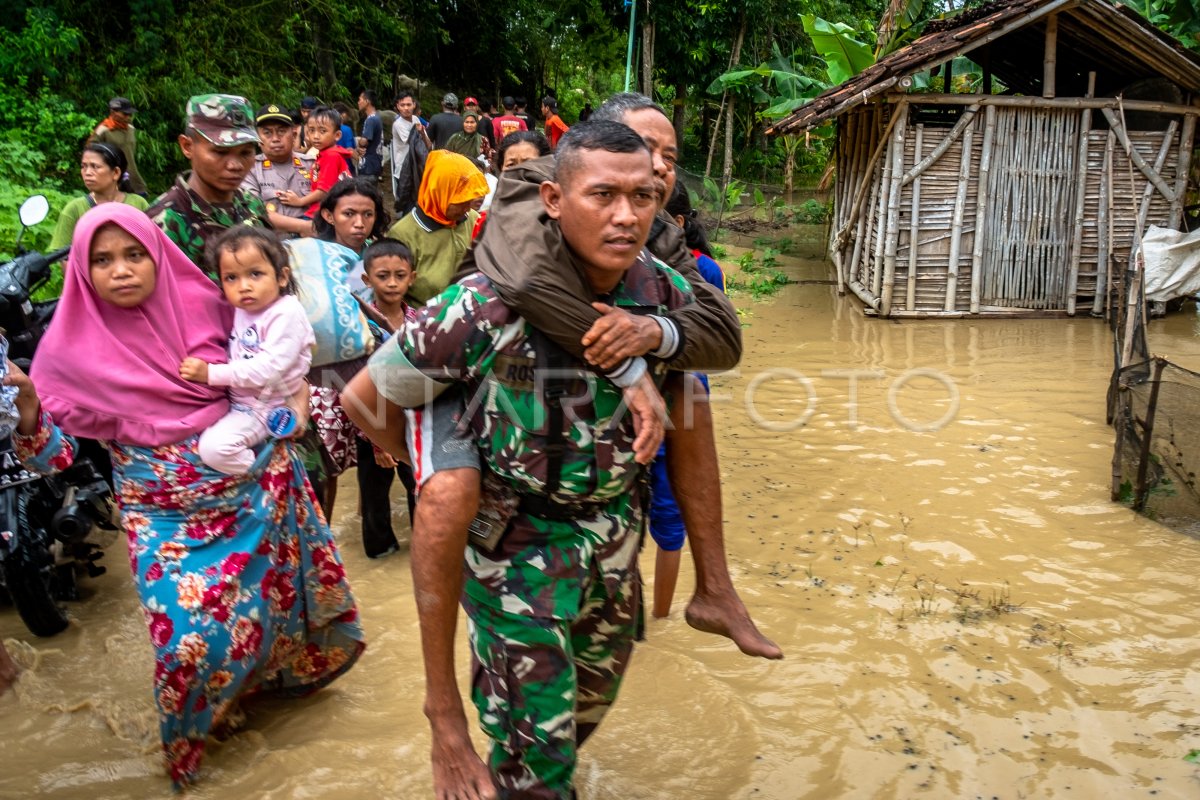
point(57, 255)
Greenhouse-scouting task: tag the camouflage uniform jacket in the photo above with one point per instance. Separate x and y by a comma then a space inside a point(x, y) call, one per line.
point(189, 220)
point(467, 335)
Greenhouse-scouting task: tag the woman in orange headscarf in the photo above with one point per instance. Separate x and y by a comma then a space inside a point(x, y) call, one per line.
point(438, 230)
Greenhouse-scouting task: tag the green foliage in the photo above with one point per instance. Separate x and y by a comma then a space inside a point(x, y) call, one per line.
point(757, 276)
point(1179, 18)
point(812, 212)
point(844, 55)
point(36, 238)
point(40, 137)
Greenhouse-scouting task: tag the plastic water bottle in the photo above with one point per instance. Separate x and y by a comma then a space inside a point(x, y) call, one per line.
point(281, 422)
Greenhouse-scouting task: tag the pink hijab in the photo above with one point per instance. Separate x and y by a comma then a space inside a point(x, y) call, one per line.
point(112, 373)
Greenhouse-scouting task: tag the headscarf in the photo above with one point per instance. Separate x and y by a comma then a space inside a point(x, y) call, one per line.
point(467, 144)
point(112, 373)
point(449, 178)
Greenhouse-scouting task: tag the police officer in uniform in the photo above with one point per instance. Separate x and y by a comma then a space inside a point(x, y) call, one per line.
point(280, 168)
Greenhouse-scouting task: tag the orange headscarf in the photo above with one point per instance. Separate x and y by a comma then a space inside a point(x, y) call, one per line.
point(449, 178)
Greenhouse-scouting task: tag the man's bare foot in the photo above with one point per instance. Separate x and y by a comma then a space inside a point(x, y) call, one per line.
point(726, 615)
point(8, 670)
point(458, 772)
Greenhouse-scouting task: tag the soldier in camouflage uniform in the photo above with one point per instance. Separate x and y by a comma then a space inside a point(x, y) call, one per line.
point(219, 140)
point(551, 588)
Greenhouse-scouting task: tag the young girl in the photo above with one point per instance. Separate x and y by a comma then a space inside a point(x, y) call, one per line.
point(387, 272)
point(270, 346)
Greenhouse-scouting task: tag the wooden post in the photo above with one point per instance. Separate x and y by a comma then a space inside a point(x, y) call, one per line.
point(1152, 175)
point(1142, 490)
point(986, 62)
point(965, 119)
point(956, 223)
point(1104, 232)
point(1050, 62)
point(892, 229)
point(1148, 192)
point(914, 226)
point(1182, 167)
point(981, 206)
point(1081, 173)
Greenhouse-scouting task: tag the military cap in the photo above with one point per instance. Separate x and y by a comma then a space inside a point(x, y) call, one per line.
point(273, 113)
point(226, 120)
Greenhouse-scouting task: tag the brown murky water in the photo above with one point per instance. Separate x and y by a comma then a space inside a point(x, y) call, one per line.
point(964, 611)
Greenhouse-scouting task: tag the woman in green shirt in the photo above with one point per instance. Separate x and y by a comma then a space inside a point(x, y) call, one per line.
point(438, 230)
point(103, 170)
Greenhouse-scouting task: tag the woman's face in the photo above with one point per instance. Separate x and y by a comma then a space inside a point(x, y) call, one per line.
point(121, 270)
point(97, 175)
point(353, 219)
point(469, 125)
point(518, 153)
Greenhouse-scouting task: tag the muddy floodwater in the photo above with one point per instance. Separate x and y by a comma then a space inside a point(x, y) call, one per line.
point(917, 512)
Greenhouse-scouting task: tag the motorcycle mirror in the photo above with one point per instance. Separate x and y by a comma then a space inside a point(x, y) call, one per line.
point(34, 210)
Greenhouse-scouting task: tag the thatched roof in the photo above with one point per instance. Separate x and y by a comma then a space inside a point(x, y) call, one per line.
point(1111, 40)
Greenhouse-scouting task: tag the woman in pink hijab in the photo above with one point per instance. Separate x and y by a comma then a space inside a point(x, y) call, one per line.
point(239, 578)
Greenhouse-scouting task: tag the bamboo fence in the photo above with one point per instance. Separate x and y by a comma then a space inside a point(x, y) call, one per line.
point(1026, 206)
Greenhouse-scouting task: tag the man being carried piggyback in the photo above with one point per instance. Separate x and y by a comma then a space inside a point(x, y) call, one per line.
point(550, 588)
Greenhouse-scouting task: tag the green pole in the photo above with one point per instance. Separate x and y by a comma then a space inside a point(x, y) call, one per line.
point(629, 51)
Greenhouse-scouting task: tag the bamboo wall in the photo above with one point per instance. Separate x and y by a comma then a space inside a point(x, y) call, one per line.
point(995, 208)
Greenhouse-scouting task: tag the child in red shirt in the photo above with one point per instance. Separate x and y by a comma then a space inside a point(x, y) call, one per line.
point(322, 130)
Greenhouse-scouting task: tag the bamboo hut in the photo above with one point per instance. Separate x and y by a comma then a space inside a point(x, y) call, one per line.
point(1021, 203)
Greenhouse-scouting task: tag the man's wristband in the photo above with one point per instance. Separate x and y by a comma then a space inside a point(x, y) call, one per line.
point(669, 347)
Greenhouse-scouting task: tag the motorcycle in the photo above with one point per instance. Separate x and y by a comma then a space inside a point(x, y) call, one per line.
point(52, 528)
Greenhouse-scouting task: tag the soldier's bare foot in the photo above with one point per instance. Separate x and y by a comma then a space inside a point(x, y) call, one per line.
point(458, 772)
point(8, 670)
point(726, 615)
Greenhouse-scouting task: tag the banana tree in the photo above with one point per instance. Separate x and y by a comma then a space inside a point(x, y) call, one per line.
point(782, 85)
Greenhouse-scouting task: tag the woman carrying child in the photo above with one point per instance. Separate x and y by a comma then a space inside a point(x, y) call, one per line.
point(240, 581)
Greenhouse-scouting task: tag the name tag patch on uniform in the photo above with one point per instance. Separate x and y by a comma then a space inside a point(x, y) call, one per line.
point(516, 372)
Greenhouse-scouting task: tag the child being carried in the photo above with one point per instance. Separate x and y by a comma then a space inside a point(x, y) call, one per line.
point(270, 346)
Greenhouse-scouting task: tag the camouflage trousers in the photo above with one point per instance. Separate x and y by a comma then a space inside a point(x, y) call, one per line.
point(542, 684)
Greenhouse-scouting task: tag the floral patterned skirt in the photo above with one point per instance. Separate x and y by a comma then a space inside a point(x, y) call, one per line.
point(241, 583)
